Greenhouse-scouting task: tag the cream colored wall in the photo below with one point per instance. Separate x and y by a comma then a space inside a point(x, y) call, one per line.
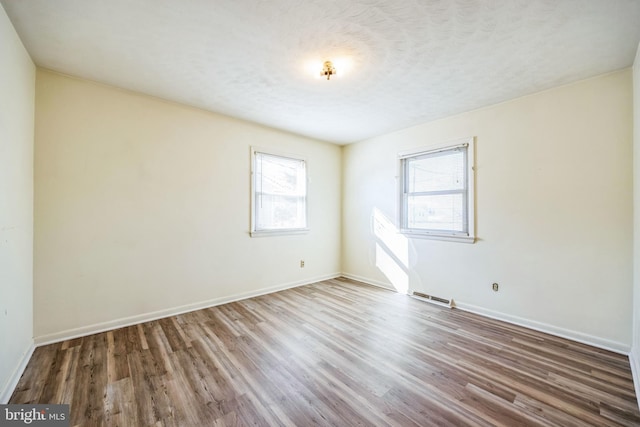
point(635, 351)
point(17, 93)
point(142, 209)
point(553, 212)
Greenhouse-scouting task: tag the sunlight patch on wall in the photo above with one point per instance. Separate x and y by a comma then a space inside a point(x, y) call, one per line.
point(392, 251)
point(390, 268)
point(387, 233)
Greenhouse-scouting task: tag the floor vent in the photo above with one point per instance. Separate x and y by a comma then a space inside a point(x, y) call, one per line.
point(443, 302)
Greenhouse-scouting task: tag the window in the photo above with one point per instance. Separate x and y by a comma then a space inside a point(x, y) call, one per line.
point(279, 194)
point(436, 191)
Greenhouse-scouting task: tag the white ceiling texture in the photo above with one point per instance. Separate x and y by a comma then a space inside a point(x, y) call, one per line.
point(399, 62)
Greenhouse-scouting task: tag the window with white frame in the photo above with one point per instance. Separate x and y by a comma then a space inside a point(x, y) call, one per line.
point(436, 192)
point(279, 194)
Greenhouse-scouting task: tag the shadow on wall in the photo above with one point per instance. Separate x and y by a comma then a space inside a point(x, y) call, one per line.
point(392, 251)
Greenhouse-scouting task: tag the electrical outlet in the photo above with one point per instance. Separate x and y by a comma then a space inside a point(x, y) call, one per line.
point(494, 287)
point(301, 263)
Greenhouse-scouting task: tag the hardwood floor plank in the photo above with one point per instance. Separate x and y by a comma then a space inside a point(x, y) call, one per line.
point(553, 416)
point(119, 403)
point(54, 382)
point(507, 414)
point(171, 334)
point(87, 402)
point(159, 349)
point(331, 353)
point(625, 417)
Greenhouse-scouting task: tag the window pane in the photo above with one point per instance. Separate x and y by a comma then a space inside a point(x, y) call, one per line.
point(279, 212)
point(436, 172)
point(437, 212)
point(279, 175)
point(280, 193)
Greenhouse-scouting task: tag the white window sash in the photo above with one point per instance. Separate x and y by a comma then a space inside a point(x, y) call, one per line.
point(468, 214)
point(301, 194)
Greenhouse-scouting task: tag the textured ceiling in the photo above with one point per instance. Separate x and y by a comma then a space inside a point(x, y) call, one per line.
point(409, 61)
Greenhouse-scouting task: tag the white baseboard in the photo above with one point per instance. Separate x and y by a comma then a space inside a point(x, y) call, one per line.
point(10, 386)
point(634, 361)
point(581, 337)
point(155, 315)
point(368, 281)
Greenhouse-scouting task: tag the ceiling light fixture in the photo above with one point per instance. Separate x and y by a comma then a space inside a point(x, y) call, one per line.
point(328, 70)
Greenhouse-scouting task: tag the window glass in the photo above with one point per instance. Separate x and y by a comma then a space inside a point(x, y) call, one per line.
point(437, 192)
point(279, 193)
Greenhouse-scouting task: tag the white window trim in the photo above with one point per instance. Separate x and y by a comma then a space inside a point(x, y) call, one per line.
point(469, 237)
point(284, 231)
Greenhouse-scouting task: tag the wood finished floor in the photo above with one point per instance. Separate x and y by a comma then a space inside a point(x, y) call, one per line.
point(333, 353)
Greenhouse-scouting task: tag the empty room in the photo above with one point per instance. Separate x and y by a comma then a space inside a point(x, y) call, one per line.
point(293, 213)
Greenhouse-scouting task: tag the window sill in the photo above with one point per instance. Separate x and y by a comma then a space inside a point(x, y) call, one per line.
point(443, 237)
point(268, 233)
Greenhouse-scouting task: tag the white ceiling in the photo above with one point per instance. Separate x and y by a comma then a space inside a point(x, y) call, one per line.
point(410, 61)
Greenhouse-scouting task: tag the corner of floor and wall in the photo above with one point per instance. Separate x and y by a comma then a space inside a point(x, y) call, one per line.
point(128, 193)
